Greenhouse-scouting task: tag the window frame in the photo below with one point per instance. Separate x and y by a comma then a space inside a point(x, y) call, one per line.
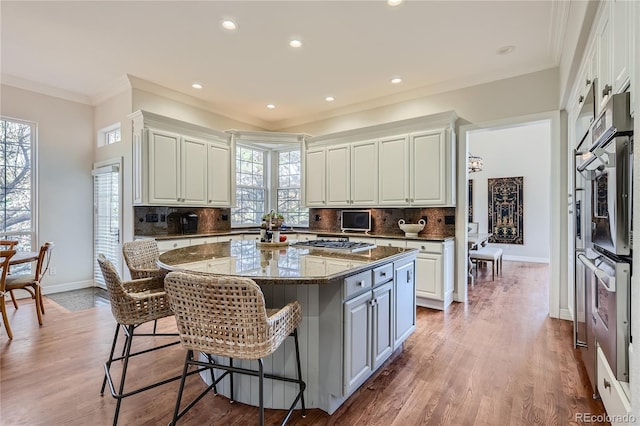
point(271, 144)
point(265, 180)
point(105, 131)
point(33, 205)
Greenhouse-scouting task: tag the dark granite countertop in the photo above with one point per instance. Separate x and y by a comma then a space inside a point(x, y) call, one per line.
point(277, 265)
point(434, 237)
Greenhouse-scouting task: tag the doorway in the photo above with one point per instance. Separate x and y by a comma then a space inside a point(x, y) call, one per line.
point(106, 220)
point(530, 147)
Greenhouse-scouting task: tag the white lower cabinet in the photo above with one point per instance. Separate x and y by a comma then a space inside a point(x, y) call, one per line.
point(434, 273)
point(615, 401)
point(320, 266)
point(357, 341)
point(405, 290)
point(166, 245)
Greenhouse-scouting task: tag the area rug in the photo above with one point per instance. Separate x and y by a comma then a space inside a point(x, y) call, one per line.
point(506, 210)
point(84, 298)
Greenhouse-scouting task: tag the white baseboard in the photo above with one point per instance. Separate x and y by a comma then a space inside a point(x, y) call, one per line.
point(565, 314)
point(59, 288)
point(526, 259)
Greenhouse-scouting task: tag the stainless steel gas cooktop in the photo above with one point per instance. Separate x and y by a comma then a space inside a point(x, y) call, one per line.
point(341, 245)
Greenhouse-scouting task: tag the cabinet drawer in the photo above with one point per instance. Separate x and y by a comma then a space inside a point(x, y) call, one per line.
point(425, 246)
point(391, 242)
point(357, 284)
point(382, 274)
point(615, 401)
point(165, 245)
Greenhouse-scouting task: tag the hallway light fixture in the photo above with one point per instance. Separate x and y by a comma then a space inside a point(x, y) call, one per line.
point(475, 163)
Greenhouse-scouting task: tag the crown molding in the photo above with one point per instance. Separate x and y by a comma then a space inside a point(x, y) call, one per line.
point(117, 86)
point(44, 89)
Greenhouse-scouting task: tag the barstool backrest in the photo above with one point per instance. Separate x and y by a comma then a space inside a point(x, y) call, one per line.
point(141, 257)
point(221, 315)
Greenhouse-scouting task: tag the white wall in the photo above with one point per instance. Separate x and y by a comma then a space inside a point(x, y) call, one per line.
point(510, 152)
point(65, 186)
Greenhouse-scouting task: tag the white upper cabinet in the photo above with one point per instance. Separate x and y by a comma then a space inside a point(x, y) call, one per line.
point(338, 176)
point(164, 167)
point(193, 173)
point(404, 163)
point(314, 182)
point(364, 173)
point(219, 173)
point(621, 22)
point(179, 164)
point(603, 42)
point(428, 167)
point(394, 170)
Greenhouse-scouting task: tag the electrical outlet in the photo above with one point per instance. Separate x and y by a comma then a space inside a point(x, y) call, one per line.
point(52, 271)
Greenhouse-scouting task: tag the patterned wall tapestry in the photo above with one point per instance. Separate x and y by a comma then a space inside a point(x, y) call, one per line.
point(470, 201)
point(506, 210)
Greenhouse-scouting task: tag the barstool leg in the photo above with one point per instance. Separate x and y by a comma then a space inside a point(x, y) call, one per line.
point(110, 360)
point(295, 339)
point(261, 390)
point(231, 381)
point(181, 388)
point(127, 348)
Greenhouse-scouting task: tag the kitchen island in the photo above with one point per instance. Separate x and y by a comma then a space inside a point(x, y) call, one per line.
point(358, 308)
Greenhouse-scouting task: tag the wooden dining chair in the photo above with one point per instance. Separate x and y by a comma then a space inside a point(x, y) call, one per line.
point(5, 257)
point(31, 282)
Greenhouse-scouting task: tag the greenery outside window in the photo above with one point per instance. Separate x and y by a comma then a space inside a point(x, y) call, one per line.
point(250, 186)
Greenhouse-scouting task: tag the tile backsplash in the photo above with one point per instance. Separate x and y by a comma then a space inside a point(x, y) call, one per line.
point(153, 220)
point(440, 220)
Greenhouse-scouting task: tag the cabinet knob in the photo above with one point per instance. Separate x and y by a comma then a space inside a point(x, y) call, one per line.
point(423, 247)
point(607, 89)
point(406, 199)
point(361, 283)
point(588, 82)
point(607, 384)
point(580, 99)
point(383, 274)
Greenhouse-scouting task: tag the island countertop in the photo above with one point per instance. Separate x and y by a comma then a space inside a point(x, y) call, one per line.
point(279, 264)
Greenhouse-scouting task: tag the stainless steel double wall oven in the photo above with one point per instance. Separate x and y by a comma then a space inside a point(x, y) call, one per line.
point(604, 164)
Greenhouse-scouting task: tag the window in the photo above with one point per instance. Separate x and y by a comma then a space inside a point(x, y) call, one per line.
point(250, 186)
point(17, 182)
point(109, 135)
point(288, 191)
point(268, 179)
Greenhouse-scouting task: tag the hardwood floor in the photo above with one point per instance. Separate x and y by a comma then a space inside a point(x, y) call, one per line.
point(497, 360)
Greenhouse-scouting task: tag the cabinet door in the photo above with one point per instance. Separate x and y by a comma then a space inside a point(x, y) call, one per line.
point(428, 169)
point(429, 275)
point(314, 178)
point(393, 179)
point(219, 176)
point(193, 166)
point(357, 341)
point(405, 302)
point(603, 37)
point(334, 266)
point(164, 167)
point(621, 11)
point(338, 176)
point(382, 310)
point(364, 173)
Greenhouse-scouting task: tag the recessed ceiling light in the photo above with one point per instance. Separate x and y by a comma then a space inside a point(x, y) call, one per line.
point(271, 106)
point(229, 25)
point(295, 43)
point(196, 86)
point(396, 80)
point(505, 50)
point(394, 2)
point(329, 99)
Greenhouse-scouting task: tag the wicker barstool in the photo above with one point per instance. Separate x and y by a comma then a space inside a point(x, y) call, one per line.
point(5, 257)
point(226, 316)
point(132, 303)
point(141, 257)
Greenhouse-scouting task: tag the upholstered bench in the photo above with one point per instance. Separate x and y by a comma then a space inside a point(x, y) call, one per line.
point(488, 254)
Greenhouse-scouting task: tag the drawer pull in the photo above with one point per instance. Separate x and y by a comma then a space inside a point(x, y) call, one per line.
point(607, 384)
point(361, 283)
point(423, 247)
point(383, 274)
point(175, 244)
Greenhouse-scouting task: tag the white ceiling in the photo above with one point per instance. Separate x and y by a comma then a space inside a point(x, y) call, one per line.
point(350, 49)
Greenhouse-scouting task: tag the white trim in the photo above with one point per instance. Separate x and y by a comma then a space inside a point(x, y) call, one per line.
point(565, 314)
point(59, 288)
point(44, 89)
point(117, 86)
point(558, 206)
point(558, 28)
point(528, 259)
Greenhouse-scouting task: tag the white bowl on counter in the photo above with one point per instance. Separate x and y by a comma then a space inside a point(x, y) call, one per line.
point(411, 229)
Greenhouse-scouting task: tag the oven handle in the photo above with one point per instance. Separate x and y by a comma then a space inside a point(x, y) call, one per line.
point(607, 281)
